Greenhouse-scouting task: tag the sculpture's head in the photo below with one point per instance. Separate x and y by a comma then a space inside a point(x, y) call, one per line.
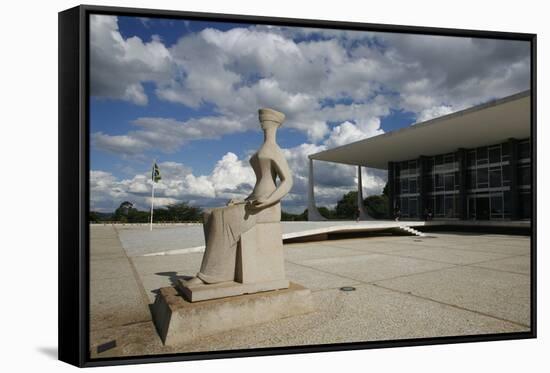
point(270, 118)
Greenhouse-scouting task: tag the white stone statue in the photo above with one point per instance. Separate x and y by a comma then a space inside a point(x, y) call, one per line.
point(244, 239)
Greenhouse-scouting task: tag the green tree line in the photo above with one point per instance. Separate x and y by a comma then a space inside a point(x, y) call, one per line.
point(127, 213)
point(346, 208)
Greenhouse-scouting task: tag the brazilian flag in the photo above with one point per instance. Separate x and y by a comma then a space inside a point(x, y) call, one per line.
point(155, 173)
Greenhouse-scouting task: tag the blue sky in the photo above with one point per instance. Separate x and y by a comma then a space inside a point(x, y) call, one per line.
point(186, 93)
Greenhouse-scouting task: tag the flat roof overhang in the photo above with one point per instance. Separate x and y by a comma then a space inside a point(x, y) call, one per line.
point(490, 123)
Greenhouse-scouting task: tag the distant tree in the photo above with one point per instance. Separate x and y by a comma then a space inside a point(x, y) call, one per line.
point(302, 216)
point(136, 216)
point(125, 207)
point(183, 212)
point(327, 213)
point(377, 206)
point(287, 216)
point(97, 217)
point(127, 213)
point(94, 217)
point(346, 208)
point(125, 210)
point(386, 190)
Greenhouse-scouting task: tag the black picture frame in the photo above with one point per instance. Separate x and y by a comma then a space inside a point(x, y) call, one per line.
point(74, 166)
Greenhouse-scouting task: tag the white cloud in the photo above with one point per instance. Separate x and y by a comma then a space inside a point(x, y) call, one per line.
point(242, 69)
point(434, 112)
point(231, 178)
point(167, 134)
point(119, 144)
point(230, 174)
point(119, 66)
point(335, 88)
point(347, 132)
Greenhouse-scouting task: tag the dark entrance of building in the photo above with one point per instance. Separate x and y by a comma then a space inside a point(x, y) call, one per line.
point(479, 207)
point(482, 208)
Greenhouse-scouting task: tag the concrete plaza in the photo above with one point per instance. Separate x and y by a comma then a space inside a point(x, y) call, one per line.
point(447, 284)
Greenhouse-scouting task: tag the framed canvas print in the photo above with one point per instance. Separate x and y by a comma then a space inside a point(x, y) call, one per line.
point(246, 185)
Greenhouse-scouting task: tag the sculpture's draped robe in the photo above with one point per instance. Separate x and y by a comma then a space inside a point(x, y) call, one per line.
point(224, 226)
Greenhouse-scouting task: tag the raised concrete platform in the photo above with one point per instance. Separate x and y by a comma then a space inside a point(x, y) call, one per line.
point(200, 292)
point(179, 321)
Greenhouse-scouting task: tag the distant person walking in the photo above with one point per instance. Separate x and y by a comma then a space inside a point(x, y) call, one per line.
point(427, 214)
point(397, 214)
point(358, 215)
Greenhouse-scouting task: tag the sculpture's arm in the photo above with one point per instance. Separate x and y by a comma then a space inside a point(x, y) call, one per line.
point(238, 201)
point(283, 171)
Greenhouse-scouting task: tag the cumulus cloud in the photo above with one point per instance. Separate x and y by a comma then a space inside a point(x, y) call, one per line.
point(168, 134)
point(297, 71)
point(119, 67)
point(334, 86)
point(347, 132)
point(434, 112)
point(231, 178)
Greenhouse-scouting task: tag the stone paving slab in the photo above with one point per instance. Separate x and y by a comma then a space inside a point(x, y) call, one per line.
point(495, 248)
point(315, 251)
point(116, 302)
point(445, 255)
point(483, 244)
point(131, 340)
point(117, 298)
point(371, 313)
point(372, 247)
point(106, 249)
point(184, 265)
point(100, 232)
point(138, 240)
point(373, 267)
point(110, 268)
point(314, 279)
point(516, 264)
point(501, 294)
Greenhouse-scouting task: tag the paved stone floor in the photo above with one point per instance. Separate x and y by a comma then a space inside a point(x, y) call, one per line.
point(446, 285)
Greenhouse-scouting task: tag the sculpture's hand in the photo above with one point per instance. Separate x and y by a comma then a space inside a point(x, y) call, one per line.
point(234, 201)
point(260, 203)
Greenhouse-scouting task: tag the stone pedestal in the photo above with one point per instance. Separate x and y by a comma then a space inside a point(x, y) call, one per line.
point(180, 321)
point(201, 292)
point(259, 267)
point(260, 256)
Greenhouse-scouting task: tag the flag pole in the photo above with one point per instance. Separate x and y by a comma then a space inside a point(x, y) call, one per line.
point(152, 195)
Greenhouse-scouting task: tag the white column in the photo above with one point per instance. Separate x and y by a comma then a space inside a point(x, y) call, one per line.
point(363, 214)
point(312, 213)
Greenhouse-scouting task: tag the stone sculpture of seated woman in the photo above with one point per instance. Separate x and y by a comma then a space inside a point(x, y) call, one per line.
point(243, 239)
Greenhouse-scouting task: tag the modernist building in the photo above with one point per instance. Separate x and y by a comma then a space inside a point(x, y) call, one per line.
point(472, 164)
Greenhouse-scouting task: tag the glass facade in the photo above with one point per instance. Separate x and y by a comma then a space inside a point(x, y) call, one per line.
point(524, 179)
point(441, 178)
point(407, 175)
point(489, 182)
